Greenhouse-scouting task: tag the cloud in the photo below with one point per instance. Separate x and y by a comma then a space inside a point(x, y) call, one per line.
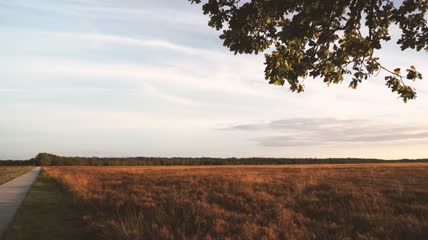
point(328, 131)
point(87, 40)
point(205, 69)
point(186, 17)
point(139, 74)
point(144, 42)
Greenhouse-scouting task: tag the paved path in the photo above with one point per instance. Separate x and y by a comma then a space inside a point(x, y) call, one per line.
point(12, 194)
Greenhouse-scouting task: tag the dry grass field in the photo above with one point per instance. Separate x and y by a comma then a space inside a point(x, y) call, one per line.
point(8, 173)
point(355, 201)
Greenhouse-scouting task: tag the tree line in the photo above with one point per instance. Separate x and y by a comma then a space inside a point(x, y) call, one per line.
point(47, 159)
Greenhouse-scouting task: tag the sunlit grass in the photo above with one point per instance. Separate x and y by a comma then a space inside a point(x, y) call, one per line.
point(373, 201)
point(10, 172)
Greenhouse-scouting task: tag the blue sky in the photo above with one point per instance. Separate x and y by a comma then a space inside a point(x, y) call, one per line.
point(150, 78)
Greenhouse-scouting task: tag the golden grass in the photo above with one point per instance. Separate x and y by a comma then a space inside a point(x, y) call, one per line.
point(8, 173)
point(355, 201)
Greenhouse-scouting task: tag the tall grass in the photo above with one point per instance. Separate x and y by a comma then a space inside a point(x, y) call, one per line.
point(8, 173)
point(359, 201)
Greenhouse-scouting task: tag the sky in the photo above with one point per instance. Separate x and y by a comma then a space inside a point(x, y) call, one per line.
point(150, 78)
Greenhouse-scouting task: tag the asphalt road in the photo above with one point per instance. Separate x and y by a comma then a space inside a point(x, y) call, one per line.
point(12, 194)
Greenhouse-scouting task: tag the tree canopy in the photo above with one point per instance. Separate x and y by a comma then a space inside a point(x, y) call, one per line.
point(325, 39)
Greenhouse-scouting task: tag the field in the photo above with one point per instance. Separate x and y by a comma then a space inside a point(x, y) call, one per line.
point(353, 201)
point(11, 172)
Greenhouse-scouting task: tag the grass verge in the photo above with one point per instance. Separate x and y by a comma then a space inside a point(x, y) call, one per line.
point(46, 213)
point(9, 173)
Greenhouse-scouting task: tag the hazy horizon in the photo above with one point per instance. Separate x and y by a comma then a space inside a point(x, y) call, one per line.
point(150, 78)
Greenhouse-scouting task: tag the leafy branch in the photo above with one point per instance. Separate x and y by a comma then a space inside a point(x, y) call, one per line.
point(327, 39)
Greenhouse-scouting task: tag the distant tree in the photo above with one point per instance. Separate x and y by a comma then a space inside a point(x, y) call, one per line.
point(44, 159)
point(322, 38)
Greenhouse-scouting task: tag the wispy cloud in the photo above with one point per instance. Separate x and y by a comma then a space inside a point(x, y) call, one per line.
point(323, 131)
point(144, 42)
point(113, 11)
point(140, 74)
